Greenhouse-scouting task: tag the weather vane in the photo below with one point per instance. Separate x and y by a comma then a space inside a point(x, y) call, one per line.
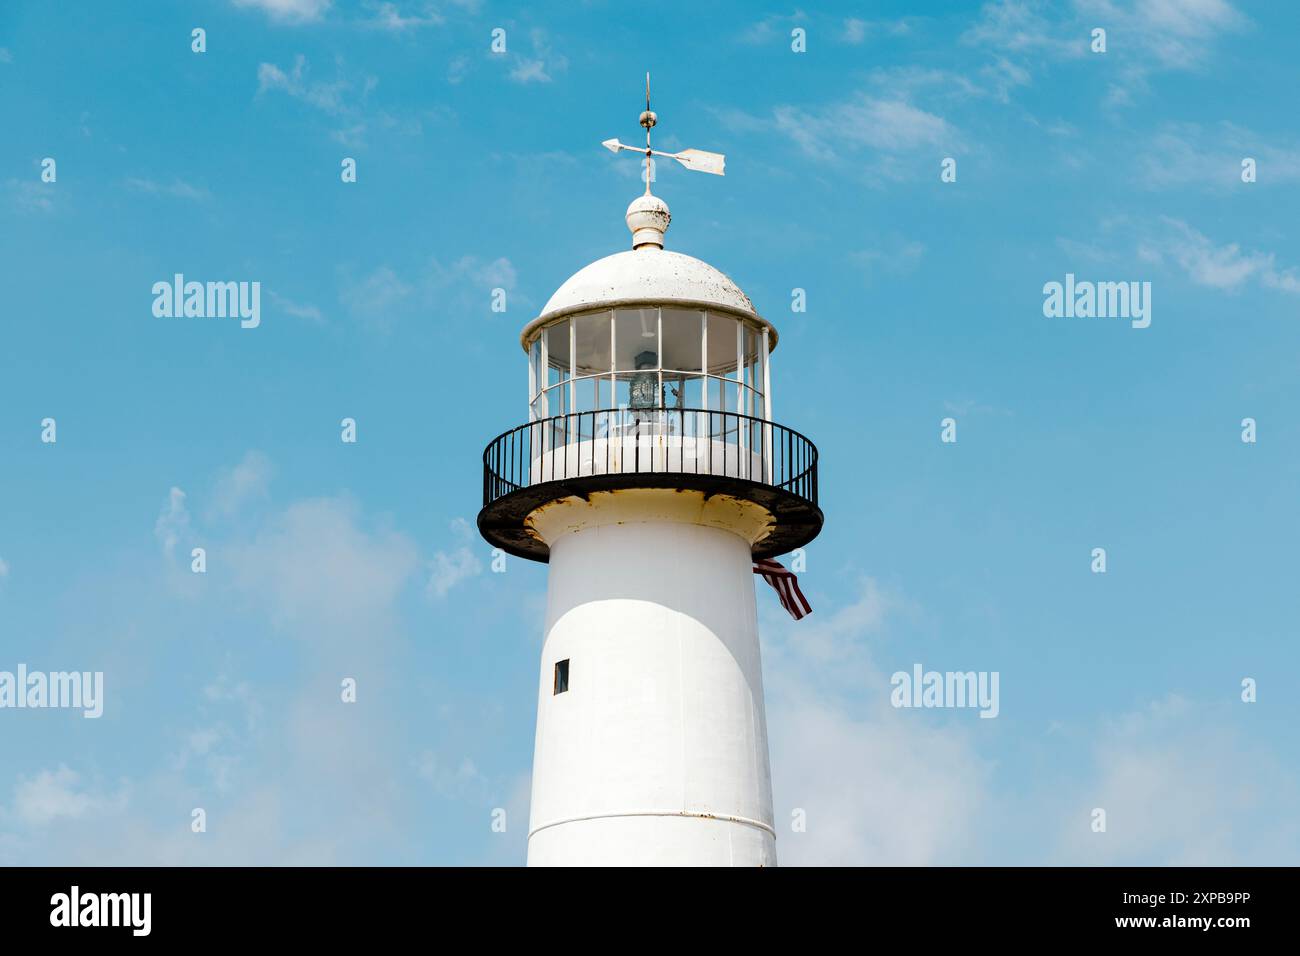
point(696, 159)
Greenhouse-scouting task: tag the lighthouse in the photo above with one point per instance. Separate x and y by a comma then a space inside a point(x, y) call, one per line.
point(650, 475)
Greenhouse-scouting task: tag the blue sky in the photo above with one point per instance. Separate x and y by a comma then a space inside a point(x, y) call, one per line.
point(478, 171)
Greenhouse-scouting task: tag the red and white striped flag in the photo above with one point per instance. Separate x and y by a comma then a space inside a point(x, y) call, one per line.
point(786, 586)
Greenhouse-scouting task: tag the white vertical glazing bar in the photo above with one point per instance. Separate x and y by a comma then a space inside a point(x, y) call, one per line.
point(532, 383)
point(743, 464)
point(704, 358)
point(767, 406)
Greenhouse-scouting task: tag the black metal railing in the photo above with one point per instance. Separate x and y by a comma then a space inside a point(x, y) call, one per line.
point(629, 441)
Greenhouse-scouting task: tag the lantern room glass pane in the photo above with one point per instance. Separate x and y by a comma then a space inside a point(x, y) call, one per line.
point(683, 339)
point(558, 360)
point(722, 394)
point(752, 354)
point(535, 367)
point(683, 391)
point(591, 343)
point(557, 401)
point(636, 339)
point(721, 358)
point(592, 393)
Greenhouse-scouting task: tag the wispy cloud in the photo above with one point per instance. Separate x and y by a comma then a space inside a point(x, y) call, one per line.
point(1144, 37)
point(1166, 34)
point(456, 564)
point(878, 786)
point(1024, 27)
point(1181, 786)
point(1226, 267)
point(448, 781)
point(288, 11)
point(390, 16)
point(315, 565)
point(465, 283)
point(870, 122)
point(246, 482)
point(30, 195)
point(542, 64)
point(1155, 36)
point(177, 189)
point(376, 295)
point(173, 521)
point(329, 97)
point(295, 309)
point(894, 255)
point(1179, 155)
point(58, 794)
point(481, 273)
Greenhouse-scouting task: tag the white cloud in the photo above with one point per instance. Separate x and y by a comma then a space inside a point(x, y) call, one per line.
point(1181, 787)
point(879, 786)
point(1188, 154)
point(855, 31)
point(772, 28)
point(377, 294)
point(4, 568)
point(297, 310)
point(173, 521)
point(178, 189)
point(288, 11)
point(389, 16)
point(885, 125)
point(541, 66)
point(1151, 36)
point(481, 274)
point(1020, 26)
point(465, 778)
point(457, 68)
point(55, 795)
point(328, 97)
point(5, 55)
point(31, 195)
point(1175, 34)
point(247, 481)
point(316, 567)
point(1224, 267)
point(1143, 37)
point(449, 568)
point(895, 255)
point(465, 284)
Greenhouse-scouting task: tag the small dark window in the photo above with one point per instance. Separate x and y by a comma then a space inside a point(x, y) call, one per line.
point(561, 676)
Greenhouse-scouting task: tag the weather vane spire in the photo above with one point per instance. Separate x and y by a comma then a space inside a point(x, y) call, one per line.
point(696, 159)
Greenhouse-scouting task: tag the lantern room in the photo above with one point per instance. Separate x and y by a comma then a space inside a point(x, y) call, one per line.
point(649, 356)
point(648, 368)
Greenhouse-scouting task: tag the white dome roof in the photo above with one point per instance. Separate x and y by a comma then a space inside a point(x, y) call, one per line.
point(646, 275)
point(649, 275)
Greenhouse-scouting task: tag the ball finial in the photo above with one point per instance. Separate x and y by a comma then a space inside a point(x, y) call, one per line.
point(648, 218)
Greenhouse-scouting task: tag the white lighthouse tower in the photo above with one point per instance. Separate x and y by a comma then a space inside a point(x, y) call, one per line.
point(650, 475)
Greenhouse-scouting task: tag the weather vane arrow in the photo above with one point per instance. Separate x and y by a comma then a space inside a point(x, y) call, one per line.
point(696, 159)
